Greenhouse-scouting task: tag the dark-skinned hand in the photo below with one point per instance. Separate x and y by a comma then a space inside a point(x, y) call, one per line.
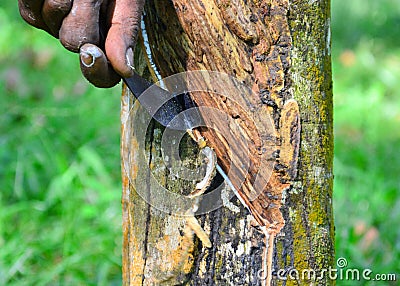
point(104, 32)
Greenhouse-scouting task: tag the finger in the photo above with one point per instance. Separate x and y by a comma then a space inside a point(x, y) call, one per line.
point(81, 26)
point(31, 12)
point(54, 12)
point(95, 67)
point(122, 35)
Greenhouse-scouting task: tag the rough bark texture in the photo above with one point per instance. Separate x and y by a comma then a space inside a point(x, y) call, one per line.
point(281, 50)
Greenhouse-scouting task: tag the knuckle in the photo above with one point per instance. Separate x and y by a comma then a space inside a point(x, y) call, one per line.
point(70, 42)
point(131, 23)
point(26, 12)
point(58, 5)
point(73, 35)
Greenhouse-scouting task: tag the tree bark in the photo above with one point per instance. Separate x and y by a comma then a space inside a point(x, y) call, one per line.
point(281, 50)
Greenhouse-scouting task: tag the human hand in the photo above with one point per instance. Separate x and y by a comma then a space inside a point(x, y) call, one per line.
point(104, 32)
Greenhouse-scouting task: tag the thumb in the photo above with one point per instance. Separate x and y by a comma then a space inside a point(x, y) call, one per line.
point(122, 35)
point(95, 67)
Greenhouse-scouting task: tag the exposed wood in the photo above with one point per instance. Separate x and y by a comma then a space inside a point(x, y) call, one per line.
point(280, 50)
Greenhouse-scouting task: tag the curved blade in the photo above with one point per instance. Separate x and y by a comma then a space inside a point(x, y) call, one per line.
point(160, 103)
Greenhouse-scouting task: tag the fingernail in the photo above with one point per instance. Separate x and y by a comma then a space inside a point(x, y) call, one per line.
point(87, 59)
point(89, 54)
point(129, 58)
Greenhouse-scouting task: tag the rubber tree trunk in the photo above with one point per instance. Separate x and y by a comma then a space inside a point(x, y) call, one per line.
point(281, 49)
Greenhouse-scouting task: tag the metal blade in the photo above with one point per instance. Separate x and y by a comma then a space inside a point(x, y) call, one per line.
point(159, 103)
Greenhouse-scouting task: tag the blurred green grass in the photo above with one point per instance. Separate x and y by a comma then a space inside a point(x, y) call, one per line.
point(60, 214)
point(60, 191)
point(366, 74)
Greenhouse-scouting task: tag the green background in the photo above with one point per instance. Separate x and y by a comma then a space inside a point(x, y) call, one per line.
point(60, 190)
